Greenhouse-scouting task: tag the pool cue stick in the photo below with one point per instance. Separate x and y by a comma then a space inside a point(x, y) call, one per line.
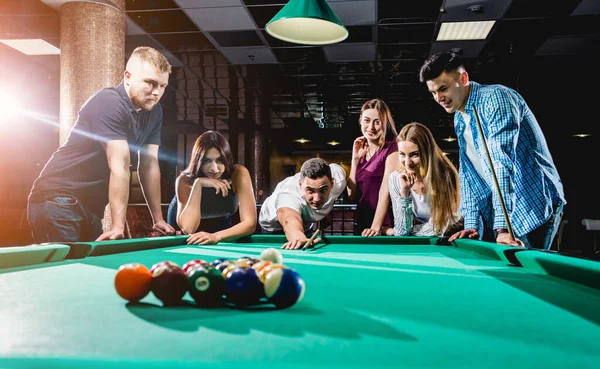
point(312, 238)
point(487, 151)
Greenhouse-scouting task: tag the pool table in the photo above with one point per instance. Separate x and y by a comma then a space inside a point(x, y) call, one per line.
point(384, 302)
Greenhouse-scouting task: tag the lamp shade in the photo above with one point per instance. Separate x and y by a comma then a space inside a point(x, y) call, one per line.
point(307, 22)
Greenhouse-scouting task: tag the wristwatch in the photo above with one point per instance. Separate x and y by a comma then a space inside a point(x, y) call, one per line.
point(500, 231)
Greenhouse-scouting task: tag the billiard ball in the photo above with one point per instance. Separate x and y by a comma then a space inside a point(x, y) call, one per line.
point(221, 266)
point(284, 287)
point(218, 261)
point(193, 263)
point(243, 287)
point(167, 262)
point(206, 285)
point(261, 264)
point(132, 281)
point(168, 284)
point(248, 260)
point(272, 254)
point(262, 274)
point(229, 268)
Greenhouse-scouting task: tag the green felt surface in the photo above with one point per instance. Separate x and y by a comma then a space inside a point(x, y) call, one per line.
point(366, 305)
point(82, 249)
point(583, 271)
point(11, 257)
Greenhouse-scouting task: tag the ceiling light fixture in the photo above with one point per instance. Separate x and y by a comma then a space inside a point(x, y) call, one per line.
point(333, 143)
point(581, 135)
point(302, 140)
point(465, 30)
point(449, 139)
point(32, 46)
point(307, 22)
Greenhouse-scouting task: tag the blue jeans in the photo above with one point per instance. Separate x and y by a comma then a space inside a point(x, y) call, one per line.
point(62, 219)
point(543, 236)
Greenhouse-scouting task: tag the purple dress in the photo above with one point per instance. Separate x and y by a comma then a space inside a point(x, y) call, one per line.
point(369, 175)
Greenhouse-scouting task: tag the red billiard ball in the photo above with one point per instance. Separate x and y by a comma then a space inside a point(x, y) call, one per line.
point(168, 284)
point(192, 263)
point(167, 262)
point(132, 281)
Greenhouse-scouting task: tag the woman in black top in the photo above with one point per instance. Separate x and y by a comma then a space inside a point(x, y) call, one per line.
point(210, 191)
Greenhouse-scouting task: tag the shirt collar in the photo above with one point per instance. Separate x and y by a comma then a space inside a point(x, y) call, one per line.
point(123, 94)
point(472, 99)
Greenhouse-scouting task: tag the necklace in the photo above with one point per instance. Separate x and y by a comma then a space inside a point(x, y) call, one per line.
point(369, 154)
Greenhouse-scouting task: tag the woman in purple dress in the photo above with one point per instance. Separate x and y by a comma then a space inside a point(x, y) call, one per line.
point(371, 166)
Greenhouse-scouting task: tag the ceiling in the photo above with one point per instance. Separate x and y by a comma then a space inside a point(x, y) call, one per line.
point(219, 49)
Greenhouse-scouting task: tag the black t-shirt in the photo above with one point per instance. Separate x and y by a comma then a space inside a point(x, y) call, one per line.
point(79, 168)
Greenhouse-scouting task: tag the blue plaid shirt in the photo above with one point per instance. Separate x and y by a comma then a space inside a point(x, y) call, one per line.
point(526, 173)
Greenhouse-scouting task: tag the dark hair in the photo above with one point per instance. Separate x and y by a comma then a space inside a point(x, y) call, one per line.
point(389, 127)
point(438, 63)
point(205, 142)
point(315, 168)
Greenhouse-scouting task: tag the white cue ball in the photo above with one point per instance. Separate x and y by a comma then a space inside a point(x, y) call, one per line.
point(272, 254)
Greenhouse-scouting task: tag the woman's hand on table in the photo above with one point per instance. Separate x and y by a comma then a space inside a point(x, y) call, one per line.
point(371, 232)
point(202, 238)
point(465, 233)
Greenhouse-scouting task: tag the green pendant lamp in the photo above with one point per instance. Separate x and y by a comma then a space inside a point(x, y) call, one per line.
point(307, 22)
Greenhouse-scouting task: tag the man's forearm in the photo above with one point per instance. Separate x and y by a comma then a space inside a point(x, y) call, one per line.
point(292, 227)
point(351, 183)
point(291, 221)
point(118, 196)
point(150, 182)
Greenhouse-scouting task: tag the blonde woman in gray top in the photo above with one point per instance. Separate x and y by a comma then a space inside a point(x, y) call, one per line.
point(425, 190)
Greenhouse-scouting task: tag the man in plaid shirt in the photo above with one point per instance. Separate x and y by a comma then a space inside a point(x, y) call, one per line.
point(527, 177)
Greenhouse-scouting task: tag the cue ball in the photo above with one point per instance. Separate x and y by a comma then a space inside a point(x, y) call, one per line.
point(272, 254)
point(132, 281)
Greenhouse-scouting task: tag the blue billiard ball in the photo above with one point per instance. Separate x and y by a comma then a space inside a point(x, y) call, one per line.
point(284, 287)
point(244, 288)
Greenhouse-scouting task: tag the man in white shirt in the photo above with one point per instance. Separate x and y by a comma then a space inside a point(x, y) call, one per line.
point(302, 199)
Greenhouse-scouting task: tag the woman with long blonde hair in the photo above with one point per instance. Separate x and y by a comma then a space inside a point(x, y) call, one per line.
point(425, 189)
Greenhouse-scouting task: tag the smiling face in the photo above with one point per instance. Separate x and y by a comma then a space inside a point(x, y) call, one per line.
point(316, 191)
point(450, 90)
point(145, 84)
point(213, 164)
point(371, 125)
point(409, 155)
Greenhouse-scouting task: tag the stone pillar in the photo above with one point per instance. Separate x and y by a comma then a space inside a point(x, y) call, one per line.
point(257, 148)
point(92, 54)
point(233, 111)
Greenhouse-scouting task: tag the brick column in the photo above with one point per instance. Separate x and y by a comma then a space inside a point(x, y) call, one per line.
point(257, 148)
point(92, 54)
